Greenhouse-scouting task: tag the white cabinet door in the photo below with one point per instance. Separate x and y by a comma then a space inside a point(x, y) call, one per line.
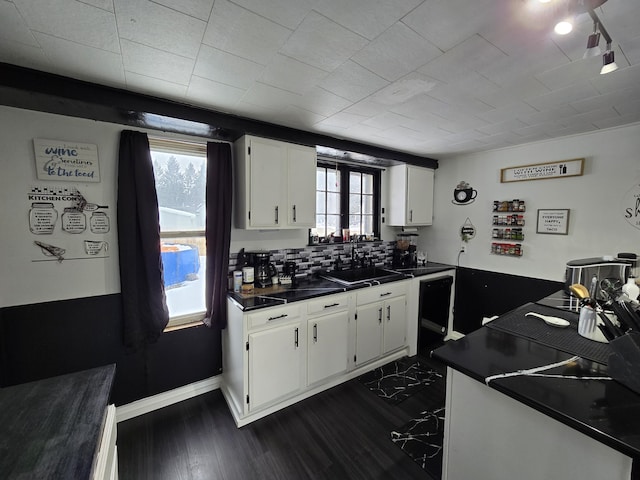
point(369, 332)
point(268, 182)
point(301, 203)
point(410, 196)
point(419, 196)
point(276, 363)
point(395, 323)
point(327, 346)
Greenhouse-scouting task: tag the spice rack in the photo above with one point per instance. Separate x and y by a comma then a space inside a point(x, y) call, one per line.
point(508, 220)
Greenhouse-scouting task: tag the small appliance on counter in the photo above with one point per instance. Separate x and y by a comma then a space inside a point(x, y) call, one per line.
point(264, 269)
point(288, 276)
point(404, 252)
point(602, 276)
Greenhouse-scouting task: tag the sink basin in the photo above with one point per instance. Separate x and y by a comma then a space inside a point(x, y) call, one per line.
point(357, 275)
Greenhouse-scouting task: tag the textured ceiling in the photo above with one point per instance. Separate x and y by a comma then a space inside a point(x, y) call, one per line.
point(432, 77)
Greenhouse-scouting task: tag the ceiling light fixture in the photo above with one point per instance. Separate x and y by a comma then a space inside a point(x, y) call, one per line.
point(563, 27)
point(593, 43)
point(608, 61)
point(572, 9)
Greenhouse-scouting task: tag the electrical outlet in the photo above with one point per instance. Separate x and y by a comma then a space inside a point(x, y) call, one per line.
point(463, 249)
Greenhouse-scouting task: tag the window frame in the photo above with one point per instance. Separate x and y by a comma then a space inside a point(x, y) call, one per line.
point(344, 170)
point(191, 148)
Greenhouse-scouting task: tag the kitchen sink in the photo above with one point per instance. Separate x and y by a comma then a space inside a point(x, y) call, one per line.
point(357, 275)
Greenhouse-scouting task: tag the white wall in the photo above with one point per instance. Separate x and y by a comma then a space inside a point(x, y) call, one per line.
point(23, 281)
point(597, 225)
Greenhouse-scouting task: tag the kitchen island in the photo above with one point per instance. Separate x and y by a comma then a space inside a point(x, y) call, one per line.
point(520, 408)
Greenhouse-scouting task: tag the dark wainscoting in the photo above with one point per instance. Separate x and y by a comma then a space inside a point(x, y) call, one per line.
point(481, 293)
point(53, 338)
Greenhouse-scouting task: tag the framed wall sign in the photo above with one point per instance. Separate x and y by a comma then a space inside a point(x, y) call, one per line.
point(66, 161)
point(553, 221)
point(541, 171)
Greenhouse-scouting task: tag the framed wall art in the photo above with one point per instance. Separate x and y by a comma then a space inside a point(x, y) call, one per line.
point(553, 221)
point(541, 171)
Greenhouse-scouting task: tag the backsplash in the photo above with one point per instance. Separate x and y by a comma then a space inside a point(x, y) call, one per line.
point(316, 257)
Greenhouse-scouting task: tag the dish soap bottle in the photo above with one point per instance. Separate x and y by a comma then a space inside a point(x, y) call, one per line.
point(631, 288)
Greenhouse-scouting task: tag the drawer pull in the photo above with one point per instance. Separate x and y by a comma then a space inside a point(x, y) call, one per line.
point(278, 317)
point(385, 294)
point(332, 305)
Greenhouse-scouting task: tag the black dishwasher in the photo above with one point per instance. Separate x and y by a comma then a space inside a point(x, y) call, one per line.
point(433, 316)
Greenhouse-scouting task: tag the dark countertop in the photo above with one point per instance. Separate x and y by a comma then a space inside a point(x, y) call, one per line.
point(312, 286)
point(51, 428)
point(602, 409)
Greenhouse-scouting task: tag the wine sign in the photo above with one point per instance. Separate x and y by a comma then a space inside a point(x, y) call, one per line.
point(66, 161)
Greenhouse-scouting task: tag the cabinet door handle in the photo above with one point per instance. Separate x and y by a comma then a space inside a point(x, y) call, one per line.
point(294, 214)
point(385, 294)
point(388, 312)
point(276, 214)
point(296, 338)
point(315, 333)
point(380, 315)
point(411, 215)
point(331, 305)
point(276, 318)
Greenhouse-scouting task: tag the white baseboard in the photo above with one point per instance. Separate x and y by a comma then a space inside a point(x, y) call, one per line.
point(164, 399)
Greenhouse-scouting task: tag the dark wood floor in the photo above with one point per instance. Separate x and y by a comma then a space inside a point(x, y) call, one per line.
point(342, 433)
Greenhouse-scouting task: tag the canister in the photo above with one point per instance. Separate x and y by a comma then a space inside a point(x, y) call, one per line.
point(247, 275)
point(237, 280)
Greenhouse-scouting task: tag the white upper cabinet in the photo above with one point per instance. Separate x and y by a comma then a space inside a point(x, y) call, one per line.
point(301, 201)
point(410, 196)
point(275, 184)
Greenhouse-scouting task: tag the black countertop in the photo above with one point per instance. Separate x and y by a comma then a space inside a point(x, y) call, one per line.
point(312, 286)
point(51, 428)
point(602, 409)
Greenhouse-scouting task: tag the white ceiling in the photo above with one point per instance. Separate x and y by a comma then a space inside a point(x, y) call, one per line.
point(428, 77)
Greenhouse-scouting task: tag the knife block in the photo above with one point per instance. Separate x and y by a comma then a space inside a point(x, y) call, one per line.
point(624, 360)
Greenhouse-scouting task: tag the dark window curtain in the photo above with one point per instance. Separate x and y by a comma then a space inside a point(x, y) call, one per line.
point(218, 232)
point(145, 312)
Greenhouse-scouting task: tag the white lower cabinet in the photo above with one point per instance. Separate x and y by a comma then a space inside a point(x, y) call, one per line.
point(276, 364)
point(276, 356)
point(395, 323)
point(381, 320)
point(327, 346)
point(368, 332)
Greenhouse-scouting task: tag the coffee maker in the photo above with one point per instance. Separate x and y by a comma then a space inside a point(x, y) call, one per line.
point(404, 252)
point(264, 269)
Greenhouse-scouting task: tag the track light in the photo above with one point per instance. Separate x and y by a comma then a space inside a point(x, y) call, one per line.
point(608, 61)
point(563, 27)
point(593, 43)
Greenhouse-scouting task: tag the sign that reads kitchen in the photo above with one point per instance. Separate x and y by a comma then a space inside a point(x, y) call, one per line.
point(66, 161)
point(540, 171)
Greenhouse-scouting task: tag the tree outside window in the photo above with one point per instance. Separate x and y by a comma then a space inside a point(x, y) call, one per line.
point(180, 174)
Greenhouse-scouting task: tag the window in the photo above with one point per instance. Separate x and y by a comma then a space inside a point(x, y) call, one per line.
point(355, 207)
point(180, 174)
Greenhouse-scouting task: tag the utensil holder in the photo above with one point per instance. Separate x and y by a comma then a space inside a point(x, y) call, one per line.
point(624, 360)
